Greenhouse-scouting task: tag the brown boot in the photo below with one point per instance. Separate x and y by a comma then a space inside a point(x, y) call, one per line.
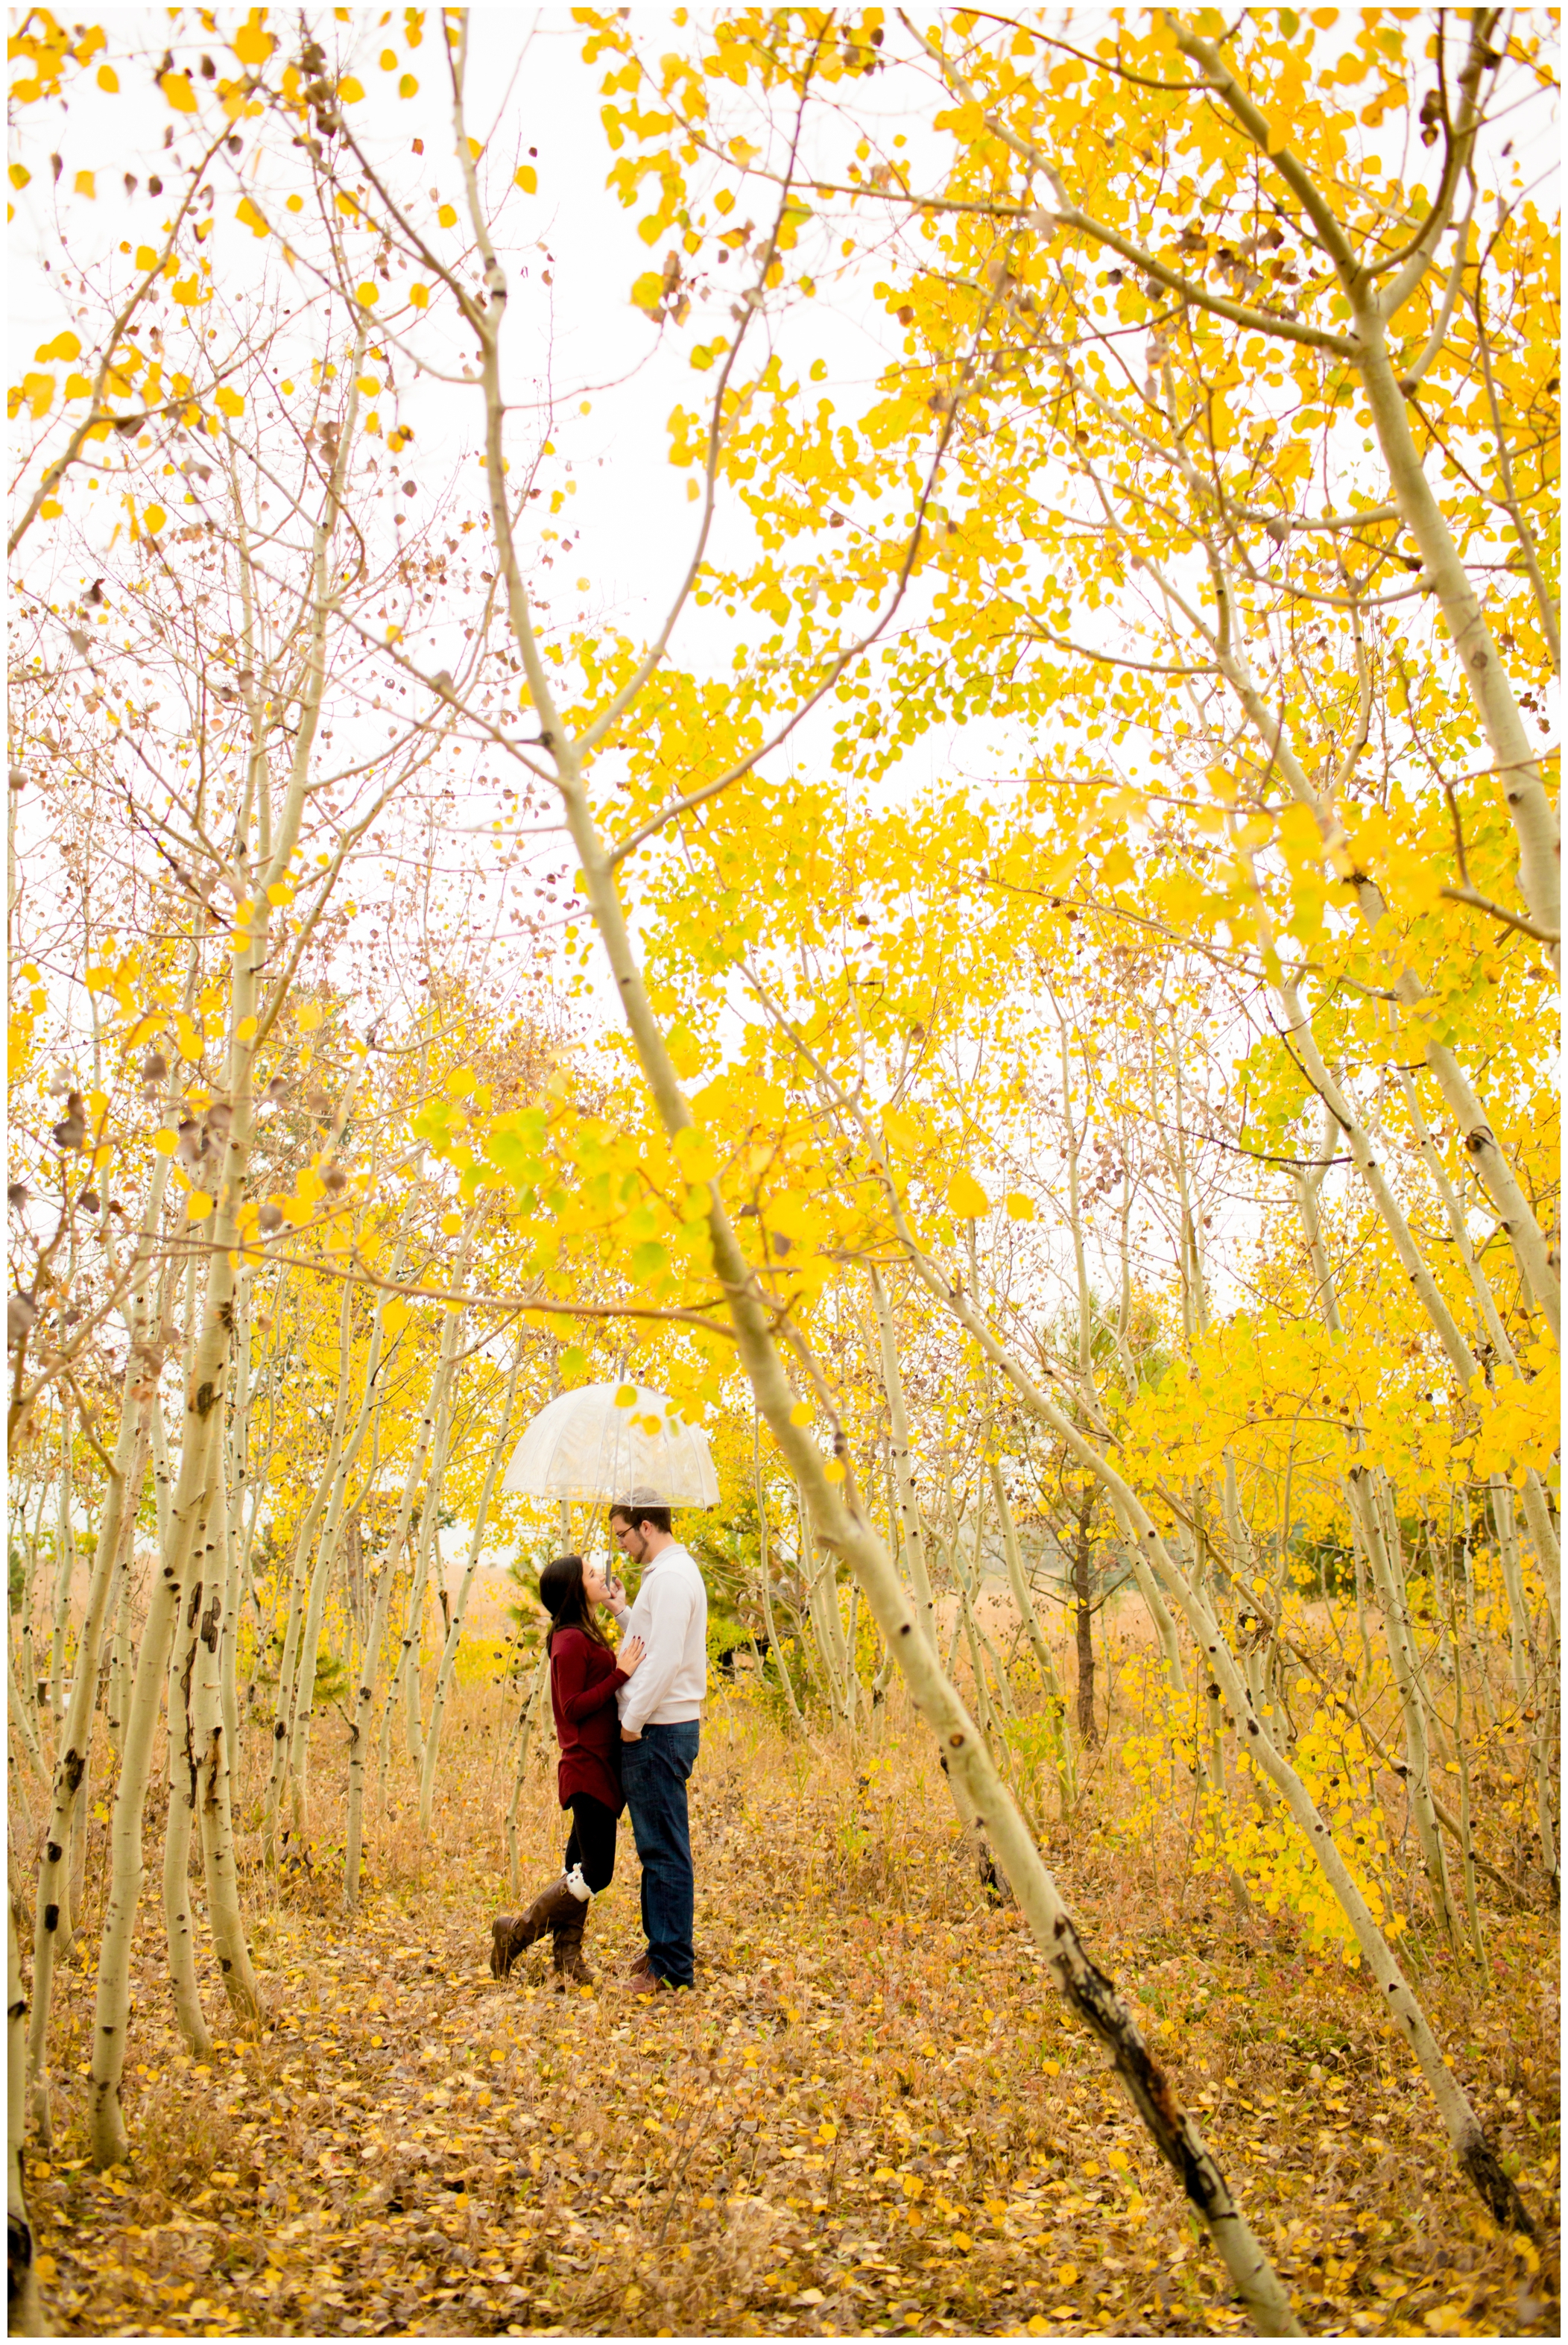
point(570, 1970)
point(510, 1936)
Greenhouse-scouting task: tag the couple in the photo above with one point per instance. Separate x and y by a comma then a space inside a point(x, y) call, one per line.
point(627, 1722)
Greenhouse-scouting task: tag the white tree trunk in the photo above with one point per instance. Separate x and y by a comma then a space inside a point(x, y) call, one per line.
point(460, 1605)
point(25, 2314)
point(179, 1930)
point(365, 1692)
point(116, 1529)
point(210, 1772)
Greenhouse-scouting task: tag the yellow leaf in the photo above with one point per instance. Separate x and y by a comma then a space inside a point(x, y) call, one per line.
point(84, 184)
point(197, 1206)
point(527, 179)
point(228, 402)
point(247, 212)
point(419, 295)
point(802, 1413)
point(408, 85)
point(176, 88)
point(967, 1198)
point(19, 175)
point(834, 1470)
point(395, 1316)
point(649, 290)
point(246, 1030)
point(1067, 2275)
point(625, 1396)
point(108, 79)
point(451, 1223)
point(699, 1161)
point(308, 1016)
point(165, 1143)
point(349, 90)
point(253, 46)
point(1020, 1207)
point(447, 215)
point(154, 519)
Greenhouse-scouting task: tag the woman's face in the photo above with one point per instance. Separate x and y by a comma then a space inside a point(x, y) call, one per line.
point(594, 1583)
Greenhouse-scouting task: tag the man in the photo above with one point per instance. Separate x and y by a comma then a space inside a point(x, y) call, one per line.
point(660, 1709)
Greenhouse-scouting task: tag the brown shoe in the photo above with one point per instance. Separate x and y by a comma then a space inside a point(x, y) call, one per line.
point(643, 1978)
point(509, 1938)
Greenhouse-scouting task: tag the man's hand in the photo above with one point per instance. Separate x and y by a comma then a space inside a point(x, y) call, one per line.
point(626, 1736)
point(615, 1593)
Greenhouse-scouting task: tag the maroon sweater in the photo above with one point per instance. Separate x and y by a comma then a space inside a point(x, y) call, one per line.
point(583, 1679)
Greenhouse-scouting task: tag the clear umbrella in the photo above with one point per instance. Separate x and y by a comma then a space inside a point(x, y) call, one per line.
point(618, 1443)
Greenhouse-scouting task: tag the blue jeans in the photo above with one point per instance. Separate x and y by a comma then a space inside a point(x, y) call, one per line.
point(653, 1775)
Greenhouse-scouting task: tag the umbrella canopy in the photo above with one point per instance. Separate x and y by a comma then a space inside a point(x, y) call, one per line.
point(615, 1443)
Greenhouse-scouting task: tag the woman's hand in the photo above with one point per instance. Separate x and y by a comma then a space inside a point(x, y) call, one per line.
point(630, 1655)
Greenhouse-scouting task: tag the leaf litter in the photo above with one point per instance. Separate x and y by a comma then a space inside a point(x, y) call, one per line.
point(875, 2116)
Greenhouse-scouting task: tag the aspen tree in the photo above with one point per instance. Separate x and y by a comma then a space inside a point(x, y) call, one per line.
point(528, 1717)
point(24, 2299)
point(1475, 2155)
point(210, 1767)
point(365, 1692)
point(766, 1571)
point(912, 1543)
point(432, 1740)
point(843, 1524)
point(404, 1682)
point(122, 1497)
point(303, 1698)
point(289, 1664)
point(251, 1011)
point(183, 1793)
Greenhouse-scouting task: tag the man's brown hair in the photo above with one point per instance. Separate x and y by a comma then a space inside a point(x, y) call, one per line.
point(637, 1515)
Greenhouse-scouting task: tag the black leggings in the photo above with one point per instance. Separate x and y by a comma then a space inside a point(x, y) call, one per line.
point(593, 1842)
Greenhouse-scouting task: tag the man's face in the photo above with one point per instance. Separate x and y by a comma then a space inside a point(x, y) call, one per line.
point(630, 1541)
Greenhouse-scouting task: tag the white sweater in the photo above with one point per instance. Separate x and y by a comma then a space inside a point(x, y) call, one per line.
point(671, 1616)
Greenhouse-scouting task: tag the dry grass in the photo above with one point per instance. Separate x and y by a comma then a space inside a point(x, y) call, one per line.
point(875, 2116)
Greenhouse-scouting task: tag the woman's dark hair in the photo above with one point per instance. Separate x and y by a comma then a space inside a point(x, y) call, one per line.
point(564, 1597)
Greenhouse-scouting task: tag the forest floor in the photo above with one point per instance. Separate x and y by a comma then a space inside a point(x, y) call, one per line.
point(875, 2116)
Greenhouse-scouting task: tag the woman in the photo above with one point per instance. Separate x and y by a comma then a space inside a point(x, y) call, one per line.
point(584, 1676)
